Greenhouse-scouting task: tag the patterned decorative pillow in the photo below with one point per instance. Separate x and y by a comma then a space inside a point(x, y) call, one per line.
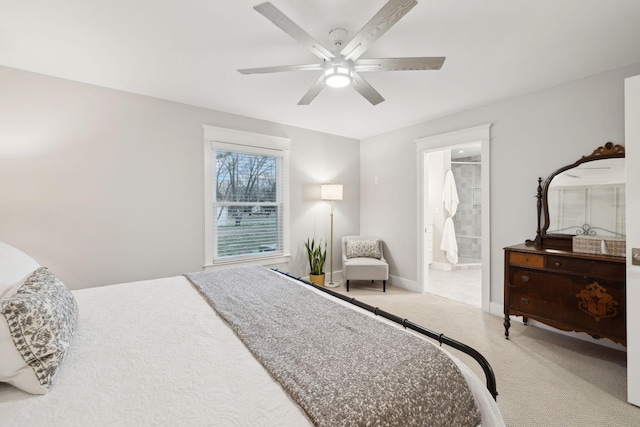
point(363, 249)
point(41, 318)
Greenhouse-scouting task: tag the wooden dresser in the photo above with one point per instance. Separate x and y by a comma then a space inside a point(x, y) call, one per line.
point(567, 290)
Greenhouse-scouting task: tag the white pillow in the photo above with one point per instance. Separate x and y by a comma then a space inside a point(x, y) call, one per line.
point(37, 323)
point(15, 266)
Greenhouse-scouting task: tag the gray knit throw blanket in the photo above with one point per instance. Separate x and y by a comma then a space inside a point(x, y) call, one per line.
point(341, 366)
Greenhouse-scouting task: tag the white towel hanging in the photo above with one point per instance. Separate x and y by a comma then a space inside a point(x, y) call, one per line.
point(449, 244)
point(450, 193)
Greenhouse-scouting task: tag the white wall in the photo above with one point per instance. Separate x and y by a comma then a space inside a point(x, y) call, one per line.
point(531, 136)
point(105, 186)
point(632, 124)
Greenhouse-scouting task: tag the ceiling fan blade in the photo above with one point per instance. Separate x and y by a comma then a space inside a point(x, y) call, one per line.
point(274, 15)
point(313, 91)
point(279, 68)
point(376, 27)
point(399, 64)
point(365, 89)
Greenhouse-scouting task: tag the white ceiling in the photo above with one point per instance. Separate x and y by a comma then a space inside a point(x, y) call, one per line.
point(189, 50)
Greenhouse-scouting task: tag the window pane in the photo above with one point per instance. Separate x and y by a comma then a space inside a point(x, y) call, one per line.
point(244, 230)
point(243, 177)
point(247, 204)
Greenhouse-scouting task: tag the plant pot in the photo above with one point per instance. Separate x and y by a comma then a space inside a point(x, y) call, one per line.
point(318, 279)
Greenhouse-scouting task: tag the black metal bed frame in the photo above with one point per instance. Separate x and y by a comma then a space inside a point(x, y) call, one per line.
point(441, 338)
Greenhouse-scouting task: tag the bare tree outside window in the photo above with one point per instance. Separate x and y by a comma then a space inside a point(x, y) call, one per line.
point(247, 205)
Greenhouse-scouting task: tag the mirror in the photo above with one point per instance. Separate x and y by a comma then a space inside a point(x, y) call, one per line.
point(588, 199)
point(583, 198)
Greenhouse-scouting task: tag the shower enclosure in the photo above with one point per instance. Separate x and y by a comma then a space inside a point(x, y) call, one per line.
point(467, 221)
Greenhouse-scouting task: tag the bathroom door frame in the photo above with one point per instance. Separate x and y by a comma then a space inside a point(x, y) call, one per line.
point(480, 134)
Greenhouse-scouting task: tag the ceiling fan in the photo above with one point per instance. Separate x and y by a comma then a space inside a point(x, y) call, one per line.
point(343, 66)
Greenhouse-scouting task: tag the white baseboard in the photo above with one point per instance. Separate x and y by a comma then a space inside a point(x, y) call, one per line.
point(410, 285)
point(496, 309)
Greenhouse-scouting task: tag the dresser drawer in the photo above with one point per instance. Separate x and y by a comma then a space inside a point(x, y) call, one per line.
point(542, 281)
point(526, 259)
point(531, 301)
point(608, 270)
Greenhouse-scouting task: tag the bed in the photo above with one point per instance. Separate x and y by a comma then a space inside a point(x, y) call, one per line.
point(157, 353)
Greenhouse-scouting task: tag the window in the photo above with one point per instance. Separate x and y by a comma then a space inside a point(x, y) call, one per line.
point(245, 196)
point(247, 204)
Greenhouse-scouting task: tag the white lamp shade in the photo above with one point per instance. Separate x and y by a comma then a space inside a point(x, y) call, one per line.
point(331, 191)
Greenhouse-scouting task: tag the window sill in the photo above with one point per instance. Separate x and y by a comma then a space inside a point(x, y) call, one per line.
point(265, 260)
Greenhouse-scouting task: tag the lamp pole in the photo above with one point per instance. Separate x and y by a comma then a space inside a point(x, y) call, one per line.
point(331, 284)
point(331, 192)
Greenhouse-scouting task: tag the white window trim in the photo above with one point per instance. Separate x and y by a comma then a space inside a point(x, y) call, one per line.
point(243, 141)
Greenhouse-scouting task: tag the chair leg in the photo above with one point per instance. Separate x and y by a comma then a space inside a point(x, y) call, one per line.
point(347, 286)
point(384, 286)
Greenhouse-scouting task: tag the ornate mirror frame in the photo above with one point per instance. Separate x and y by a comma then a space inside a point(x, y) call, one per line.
point(564, 241)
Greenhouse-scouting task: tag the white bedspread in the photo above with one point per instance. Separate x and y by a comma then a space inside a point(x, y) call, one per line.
point(155, 353)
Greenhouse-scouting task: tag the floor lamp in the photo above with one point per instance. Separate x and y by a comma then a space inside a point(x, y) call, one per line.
point(331, 192)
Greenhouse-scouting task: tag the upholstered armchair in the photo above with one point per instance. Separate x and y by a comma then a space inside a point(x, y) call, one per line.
point(363, 259)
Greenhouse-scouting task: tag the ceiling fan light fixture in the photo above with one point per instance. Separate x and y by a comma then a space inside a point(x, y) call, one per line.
point(338, 76)
point(342, 66)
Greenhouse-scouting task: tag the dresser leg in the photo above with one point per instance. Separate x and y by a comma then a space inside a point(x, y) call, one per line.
point(525, 320)
point(507, 325)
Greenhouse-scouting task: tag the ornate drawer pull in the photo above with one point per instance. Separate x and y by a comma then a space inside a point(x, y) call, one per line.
point(525, 279)
point(557, 264)
point(524, 300)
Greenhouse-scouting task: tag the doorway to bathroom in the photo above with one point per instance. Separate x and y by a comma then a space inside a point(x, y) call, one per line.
point(453, 212)
point(453, 216)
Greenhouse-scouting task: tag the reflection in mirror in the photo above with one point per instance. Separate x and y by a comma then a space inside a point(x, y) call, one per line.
point(589, 199)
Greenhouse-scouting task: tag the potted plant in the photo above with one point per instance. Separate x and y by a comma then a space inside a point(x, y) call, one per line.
point(317, 257)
